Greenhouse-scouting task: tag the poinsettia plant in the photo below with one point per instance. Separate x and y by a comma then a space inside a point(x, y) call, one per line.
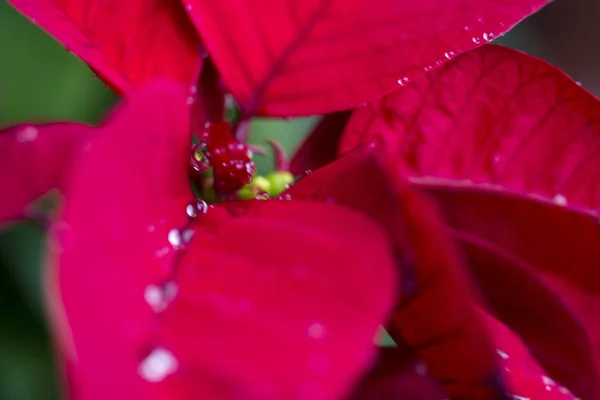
point(456, 206)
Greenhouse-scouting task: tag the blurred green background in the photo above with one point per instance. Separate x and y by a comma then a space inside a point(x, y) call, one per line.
point(41, 81)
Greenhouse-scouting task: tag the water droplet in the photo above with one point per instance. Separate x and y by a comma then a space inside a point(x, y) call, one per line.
point(162, 252)
point(151, 228)
point(486, 37)
point(502, 354)
point(193, 89)
point(188, 7)
point(158, 365)
point(560, 200)
point(174, 237)
point(403, 81)
point(578, 83)
point(449, 55)
point(316, 331)
point(159, 297)
point(200, 159)
point(190, 100)
point(286, 197)
point(476, 40)
point(27, 134)
point(191, 211)
point(428, 68)
point(421, 368)
point(196, 207)
point(547, 380)
point(263, 196)
point(466, 28)
point(187, 235)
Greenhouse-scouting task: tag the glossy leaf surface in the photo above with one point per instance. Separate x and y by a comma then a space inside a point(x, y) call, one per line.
point(286, 58)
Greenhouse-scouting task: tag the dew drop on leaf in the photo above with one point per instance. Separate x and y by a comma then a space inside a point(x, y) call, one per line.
point(174, 237)
point(196, 207)
point(158, 365)
point(316, 331)
point(27, 134)
point(560, 200)
point(421, 368)
point(502, 354)
point(159, 297)
point(187, 235)
point(200, 159)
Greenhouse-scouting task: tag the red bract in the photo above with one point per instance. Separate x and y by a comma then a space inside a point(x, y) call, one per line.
point(34, 160)
point(156, 295)
point(278, 58)
point(299, 58)
point(506, 146)
point(460, 331)
point(126, 43)
point(244, 300)
point(320, 147)
point(432, 280)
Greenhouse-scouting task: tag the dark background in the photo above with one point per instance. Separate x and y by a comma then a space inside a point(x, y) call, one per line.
point(41, 81)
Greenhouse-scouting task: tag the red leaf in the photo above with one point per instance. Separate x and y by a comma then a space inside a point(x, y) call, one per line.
point(126, 192)
point(34, 160)
point(536, 237)
point(300, 58)
point(321, 145)
point(245, 301)
point(493, 116)
point(525, 378)
point(502, 119)
point(210, 100)
point(437, 315)
point(126, 43)
point(398, 375)
point(539, 315)
point(273, 319)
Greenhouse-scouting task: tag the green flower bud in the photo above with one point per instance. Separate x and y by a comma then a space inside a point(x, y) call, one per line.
point(279, 182)
point(258, 185)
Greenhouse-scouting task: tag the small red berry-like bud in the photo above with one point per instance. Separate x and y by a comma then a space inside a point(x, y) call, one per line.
point(230, 159)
